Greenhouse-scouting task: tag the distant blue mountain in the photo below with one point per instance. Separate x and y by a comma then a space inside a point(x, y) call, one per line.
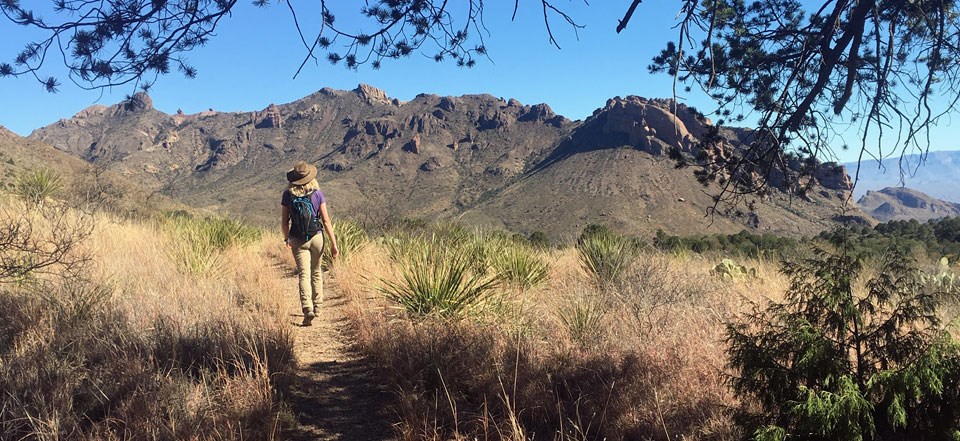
point(936, 174)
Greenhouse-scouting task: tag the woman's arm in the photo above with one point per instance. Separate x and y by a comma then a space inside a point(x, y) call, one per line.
point(285, 223)
point(328, 227)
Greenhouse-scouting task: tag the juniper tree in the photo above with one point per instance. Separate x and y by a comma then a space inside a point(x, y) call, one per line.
point(841, 358)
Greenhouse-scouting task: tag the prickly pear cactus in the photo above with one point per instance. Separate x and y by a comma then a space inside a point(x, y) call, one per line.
point(727, 269)
point(943, 279)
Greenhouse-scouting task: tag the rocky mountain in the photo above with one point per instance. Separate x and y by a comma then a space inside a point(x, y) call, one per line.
point(935, 175)
point(476, 157)
point(899, 203)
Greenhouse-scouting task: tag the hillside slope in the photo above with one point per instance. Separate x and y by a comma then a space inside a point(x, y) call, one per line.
point(19, 155)
point(488, 160)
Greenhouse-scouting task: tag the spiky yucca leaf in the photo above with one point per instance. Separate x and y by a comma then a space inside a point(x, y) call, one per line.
point(436, 281)
point(520, 266)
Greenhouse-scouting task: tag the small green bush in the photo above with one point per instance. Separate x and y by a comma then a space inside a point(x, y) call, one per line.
point(351, 238)
point(727, 269)
point(583, 321)
point(201, 241)
point(833, 361)
point(538, 239)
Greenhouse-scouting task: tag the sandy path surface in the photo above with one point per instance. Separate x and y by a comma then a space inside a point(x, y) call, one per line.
point(336, 395)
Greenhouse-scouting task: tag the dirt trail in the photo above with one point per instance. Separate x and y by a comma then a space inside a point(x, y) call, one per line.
point(336, 395)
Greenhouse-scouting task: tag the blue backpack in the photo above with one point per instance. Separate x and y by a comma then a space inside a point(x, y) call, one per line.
point(304, 220)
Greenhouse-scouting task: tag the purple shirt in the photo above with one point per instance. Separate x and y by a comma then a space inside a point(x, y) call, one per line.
point(316, 198)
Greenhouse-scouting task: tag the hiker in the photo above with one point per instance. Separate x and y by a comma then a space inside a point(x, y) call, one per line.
point(304, 219)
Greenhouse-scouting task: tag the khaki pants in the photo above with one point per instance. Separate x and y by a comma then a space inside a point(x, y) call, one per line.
point(308, 254)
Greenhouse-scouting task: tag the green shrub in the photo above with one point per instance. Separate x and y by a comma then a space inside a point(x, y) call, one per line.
point(836, 362)
point(436, 280)
point(583, 321)
point(37, 186)
point(538, 239)
point(351, 237)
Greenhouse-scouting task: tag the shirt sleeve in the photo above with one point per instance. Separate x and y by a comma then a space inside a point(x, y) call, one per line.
point(285, 200)
point(319, 199)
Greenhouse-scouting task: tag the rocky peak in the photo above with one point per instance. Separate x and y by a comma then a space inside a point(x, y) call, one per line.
point(139, 102)
point(541, 113)
point(371, 95)
point(650, 125)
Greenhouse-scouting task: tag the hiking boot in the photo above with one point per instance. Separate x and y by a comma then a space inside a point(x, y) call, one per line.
point(308, 316)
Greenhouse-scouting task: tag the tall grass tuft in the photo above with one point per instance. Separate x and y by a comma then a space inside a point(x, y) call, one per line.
point(436, 281)
point(37, 186)
point(606, 258)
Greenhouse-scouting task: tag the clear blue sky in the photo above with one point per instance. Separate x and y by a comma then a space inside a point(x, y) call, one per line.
point(251, 62)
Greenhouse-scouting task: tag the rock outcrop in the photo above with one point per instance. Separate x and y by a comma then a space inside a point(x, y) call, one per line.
point(268, 118)
point(371, 95)
point(7, 134)
point(139, 102)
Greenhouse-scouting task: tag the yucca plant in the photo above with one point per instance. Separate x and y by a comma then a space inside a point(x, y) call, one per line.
point(37, 186)
point(520, 266)
point(606, 257)
point(351, 237)
point(438, 281)
point(583, 320)
point(200, 242)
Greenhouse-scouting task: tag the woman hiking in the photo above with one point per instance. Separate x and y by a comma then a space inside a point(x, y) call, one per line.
point(304, 219)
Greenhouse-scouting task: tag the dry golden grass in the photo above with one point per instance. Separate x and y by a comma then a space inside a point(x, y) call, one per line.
point(529, 368)
point(130, 346)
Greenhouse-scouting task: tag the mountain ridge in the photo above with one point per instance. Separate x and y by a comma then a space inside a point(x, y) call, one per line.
point(900, 203)
point(933, 174)
point(472, 157)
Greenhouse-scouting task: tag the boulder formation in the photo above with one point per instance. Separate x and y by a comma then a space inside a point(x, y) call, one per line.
point(268, 118)
point(139, 102)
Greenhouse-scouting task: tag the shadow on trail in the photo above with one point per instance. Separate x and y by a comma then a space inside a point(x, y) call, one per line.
point(335, 394)
point(336, 401)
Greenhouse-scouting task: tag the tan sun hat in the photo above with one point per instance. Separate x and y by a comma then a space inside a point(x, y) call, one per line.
point(302, 173)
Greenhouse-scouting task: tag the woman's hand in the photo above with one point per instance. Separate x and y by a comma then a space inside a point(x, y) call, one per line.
point(334, 251)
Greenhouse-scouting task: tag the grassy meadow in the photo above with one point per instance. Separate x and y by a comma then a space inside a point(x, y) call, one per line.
point(175, 326)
